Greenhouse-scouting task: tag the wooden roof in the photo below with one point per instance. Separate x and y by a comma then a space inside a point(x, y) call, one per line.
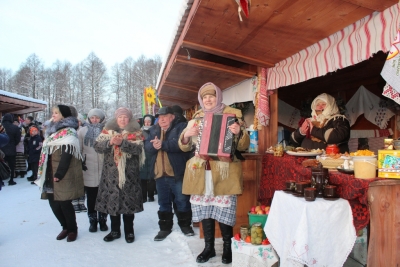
point(212, 44)
point(16, 104)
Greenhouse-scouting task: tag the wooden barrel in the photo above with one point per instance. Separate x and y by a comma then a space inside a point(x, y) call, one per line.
point(384, 237)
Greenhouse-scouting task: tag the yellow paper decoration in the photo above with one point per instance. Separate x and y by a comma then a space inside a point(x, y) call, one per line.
point(150, 96)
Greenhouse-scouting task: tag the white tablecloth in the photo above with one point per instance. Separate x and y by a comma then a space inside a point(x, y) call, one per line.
point(245, 254)
point(318, 233)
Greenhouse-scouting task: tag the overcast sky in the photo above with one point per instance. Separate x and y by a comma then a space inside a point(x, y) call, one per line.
point(71, 29)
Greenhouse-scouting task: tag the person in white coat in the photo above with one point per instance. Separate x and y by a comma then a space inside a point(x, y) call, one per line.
point(94, 162)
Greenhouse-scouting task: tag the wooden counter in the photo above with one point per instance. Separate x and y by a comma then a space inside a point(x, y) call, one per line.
point(251, 169)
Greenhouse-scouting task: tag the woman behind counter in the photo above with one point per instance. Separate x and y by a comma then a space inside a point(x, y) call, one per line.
point(326, 126)
point(213, 185)
point(60, 170)
point(121, 142)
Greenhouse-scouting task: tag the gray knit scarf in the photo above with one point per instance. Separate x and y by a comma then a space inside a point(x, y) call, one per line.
point(92, 133)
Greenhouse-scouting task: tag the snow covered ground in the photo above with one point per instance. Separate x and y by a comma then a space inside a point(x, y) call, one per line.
point(28, 231)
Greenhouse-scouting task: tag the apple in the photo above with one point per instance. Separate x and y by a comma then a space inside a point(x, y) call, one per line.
point(267, 212)
point(266, 208)
point(263, 207)
point(258, 208)
point(253, 208)
point(260, 212)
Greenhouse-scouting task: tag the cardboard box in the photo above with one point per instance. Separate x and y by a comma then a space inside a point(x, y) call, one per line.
point(389, 164)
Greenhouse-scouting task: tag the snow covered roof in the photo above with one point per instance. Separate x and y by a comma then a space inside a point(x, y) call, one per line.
point(22, 97)
point(19, 104)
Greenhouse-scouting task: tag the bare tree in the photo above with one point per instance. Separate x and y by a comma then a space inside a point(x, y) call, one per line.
point(84, 85)
point(96, 75)
point(116, 83)
point(6, 79)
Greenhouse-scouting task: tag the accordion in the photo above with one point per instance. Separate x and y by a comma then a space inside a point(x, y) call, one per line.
point(215, 140)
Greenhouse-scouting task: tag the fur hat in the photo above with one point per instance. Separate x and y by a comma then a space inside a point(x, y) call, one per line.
point(207, 89)
point(96, 112)
point(74, 112)
point(123, 111)
point(64, 110)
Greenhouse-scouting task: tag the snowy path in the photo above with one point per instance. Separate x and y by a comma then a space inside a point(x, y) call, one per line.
point(28, 231)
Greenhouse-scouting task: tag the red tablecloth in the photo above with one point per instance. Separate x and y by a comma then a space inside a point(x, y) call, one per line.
point(276, 170)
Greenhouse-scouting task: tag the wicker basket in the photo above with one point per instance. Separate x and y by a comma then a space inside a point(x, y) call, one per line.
point(331, 163)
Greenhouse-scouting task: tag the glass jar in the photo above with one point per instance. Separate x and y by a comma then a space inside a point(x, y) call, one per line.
point(332, 149)
point(256, 234)
point(244, 232)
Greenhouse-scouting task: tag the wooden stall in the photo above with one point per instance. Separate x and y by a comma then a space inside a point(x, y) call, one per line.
point(18, 104)
point(215, 43)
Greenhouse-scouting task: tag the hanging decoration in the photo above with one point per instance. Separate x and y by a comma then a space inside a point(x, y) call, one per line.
point(243, 5)
point(262, 110)
point(149, 100)
point(390, 71)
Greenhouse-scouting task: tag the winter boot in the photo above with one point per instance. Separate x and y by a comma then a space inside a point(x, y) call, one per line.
point(75, 203)
point(81, 202)
point(184, 222)
point(103, 221)
point(115, 229)
point(72, 235)
point(92, 221)
point(128, 227)
point(209, 237)
point(227, 234)
point(165, 222)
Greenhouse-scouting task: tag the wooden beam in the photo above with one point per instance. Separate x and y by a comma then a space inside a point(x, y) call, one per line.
point(28, 110)
point(175, 99)
point(181, 87)
point(213, 66)
point(375, 5)
point(226, 54)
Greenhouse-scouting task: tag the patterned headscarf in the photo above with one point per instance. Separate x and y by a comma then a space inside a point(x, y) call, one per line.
point(208, 88)
point(124, 111)
point(331, 110)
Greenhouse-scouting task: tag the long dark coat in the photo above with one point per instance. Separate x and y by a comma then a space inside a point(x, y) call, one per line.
point(335, 131)
point(13, 132)
point(110, 198)
point(33, 144)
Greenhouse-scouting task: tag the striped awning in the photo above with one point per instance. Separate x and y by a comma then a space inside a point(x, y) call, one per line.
point(344, 48)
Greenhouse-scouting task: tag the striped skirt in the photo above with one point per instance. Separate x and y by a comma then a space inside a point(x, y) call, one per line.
point(20, 162)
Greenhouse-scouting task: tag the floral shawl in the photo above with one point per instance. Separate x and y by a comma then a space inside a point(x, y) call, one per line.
point(120, 156)
point(65, 136)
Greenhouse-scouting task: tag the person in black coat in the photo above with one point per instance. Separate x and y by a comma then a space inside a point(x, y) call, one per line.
point(34, 149)
point(146, 177)
point(325, 126)
point(167, 164)
point(14, 133)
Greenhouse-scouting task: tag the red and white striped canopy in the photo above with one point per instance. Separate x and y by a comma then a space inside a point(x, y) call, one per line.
point(344, 48)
